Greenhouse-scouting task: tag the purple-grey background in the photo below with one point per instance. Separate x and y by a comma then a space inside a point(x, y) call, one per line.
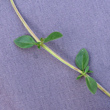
point(32, 79)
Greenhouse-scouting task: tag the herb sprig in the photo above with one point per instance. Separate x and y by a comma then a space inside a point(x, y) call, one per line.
point(82, 58)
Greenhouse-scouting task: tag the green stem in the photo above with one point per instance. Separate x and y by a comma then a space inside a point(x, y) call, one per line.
point(49, 50)
point(61, 59)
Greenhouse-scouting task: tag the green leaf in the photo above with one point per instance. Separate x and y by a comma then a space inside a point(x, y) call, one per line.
point(91, 84)
point(24, 41)
point(53, 36)
point(38, 46)
point(90, 71)
point(87, 69)
point(79, 77)
point(82, 59)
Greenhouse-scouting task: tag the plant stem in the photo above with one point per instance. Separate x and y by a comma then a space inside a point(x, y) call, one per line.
point(49, 50)
point(61, 59)
point(23, 21)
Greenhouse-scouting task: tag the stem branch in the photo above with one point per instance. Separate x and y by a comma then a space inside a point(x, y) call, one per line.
point(49, 50)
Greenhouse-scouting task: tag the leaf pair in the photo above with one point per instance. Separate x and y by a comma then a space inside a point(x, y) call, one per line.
point(27, 41)
point(82, 60)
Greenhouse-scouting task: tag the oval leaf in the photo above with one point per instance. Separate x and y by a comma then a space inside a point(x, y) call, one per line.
point(24, 41)
point(53, 36)
point(91, 84)
point(82, 59)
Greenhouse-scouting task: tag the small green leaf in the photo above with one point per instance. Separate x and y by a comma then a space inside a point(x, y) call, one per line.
point(53, 36)
point(24, 41)
point(87, 69)
point(79, 77)
point(82, 59)
point(38, 46)
point(90, 71)
point(91, 84)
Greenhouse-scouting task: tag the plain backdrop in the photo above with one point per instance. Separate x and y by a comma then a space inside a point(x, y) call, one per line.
point(32, 79)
